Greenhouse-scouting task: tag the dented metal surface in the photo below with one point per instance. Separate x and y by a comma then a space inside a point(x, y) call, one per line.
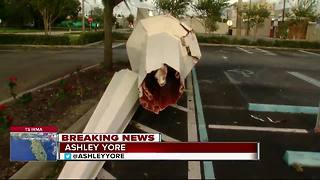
point(162, 50)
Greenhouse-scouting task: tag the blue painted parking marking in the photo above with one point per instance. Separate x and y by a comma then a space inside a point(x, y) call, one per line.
point(282, 108)
point(202, 127)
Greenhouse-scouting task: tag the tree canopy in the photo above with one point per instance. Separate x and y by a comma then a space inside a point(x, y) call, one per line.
point(305, 10)
point(210, 11)
point(16, 12)
point(175, 7)
point(2, 9)
point(97, 14)
point(254, 15)
point(50, 10)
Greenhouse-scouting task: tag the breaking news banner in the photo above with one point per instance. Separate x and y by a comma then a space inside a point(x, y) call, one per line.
point(99, 137)
point(33, 143)
point(43, 143)
point(158, 151)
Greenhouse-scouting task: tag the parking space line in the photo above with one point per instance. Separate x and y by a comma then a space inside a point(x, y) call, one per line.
point(282, 108)
point(147, 129)
point(194, 168)
point(202, 128)
point(180, 107)
point(254, 128)
point(306, 78)
point(244, 50)
point(266, 52)
point(307, 52)
point(224, 107)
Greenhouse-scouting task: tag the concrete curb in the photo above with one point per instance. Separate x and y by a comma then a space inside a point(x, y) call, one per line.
point(93, 44)
point(43, 46)
point(4, 46)
point(264, 47)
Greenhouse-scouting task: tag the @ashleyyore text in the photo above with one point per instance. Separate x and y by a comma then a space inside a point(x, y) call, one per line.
point(91, 156)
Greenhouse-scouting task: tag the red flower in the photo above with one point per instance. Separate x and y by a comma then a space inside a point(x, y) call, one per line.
point(13, 79)
point(68, 87)
point(10, 118)
point(2, 107)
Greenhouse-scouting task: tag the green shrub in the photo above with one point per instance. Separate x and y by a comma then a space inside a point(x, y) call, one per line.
point(90, 37)
point(34, 39)
point(287, 43)
point(244, 41)
point(202, 39)
point(262, 42)
point(216, 39)
point(120, 36)
point(311, 45)
point(68, 39)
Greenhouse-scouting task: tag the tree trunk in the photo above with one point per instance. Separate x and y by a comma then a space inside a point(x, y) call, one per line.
point(255, 31)
point(45, 25)
point(45, 21)
point(248, 29)
point(108, 14)
point(49, 28)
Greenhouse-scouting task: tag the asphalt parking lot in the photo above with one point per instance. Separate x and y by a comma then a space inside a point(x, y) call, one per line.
point(244, 89)
point(247, 94)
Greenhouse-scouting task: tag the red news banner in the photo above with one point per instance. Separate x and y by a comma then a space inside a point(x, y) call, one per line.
point(149, 147)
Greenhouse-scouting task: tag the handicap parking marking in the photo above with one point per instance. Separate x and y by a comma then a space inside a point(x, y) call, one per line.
point(244, 50)
point(266, 52)
point(236, 84)
point(244, 72)
point(267, 86)
point(307, 52)
point(306, 78)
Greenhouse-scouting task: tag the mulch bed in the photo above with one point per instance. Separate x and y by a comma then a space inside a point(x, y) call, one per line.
point(50, 106)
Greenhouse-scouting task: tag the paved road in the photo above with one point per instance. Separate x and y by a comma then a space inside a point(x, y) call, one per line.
point(34, 67)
